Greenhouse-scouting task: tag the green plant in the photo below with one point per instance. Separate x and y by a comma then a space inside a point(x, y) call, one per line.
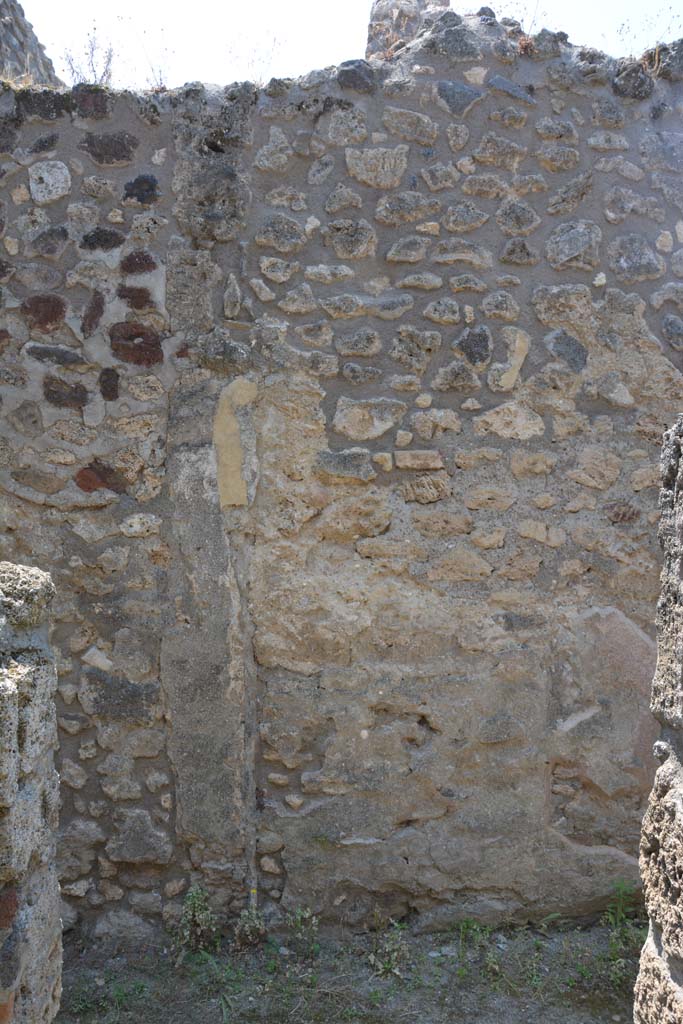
point(389, 951)
point(198, 929)
point(304, 926)
point(250, 928)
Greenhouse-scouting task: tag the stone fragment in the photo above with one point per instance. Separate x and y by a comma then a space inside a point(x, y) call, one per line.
point(367, 419)
point(518, 252)
point(569, 196)
point(596, 467)
point(574, 245)
point(557, 158)
point(444, 311)
point(318, 335)
point(461, 565)
point(500, 305)
point(464, 216)
point(515, 217)
point(342, 198)
point(347, 464)
point(504, 376)
point(632, 81)
point(456, 250)
point(409, 125)
point(282, 233)
point(440, 176)
point(49, 181)
point(324, 273)
point(457, 375)
point(413, 348)
point(516, 92)
point(356, 75)
point(495, 499)
point(299, 300)
point(476, 344)
point(458, 136)
point(405, 208)
point(418, 460)
point(378, 168)
point(137, 840)
point(276, 153)
point(511, 420)
point(467, 283)
point(457, 99)
point(352, 239)
point(426, 488)
point(410, 249)
point(136, 343)
point(109, 149)
point(565, 346)
point(542, 533)
point(362, 342)
point(633, 260)
point(347, 127)
point(64, 395)
point(550, 128)
point(497, 151)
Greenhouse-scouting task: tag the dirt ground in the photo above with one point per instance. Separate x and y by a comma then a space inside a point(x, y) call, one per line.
point(562, 974)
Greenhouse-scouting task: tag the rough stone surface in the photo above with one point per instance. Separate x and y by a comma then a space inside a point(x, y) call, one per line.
point(30, 928)
point(333, 407)
point(659, 990)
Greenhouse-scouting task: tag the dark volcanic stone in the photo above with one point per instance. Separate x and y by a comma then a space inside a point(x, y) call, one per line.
point(104, 239)
point(45, 143)
point(110, 148)
point(568, 348)
point(44, 104)
point(109, 384)
point(356, 75)
point(63, 395)
point(44, 312)
point(138, 262)
point(91, 101)
point(508, 88)
point(135, 343)
point(8, 135)
point(457, 96)
point(98, 476)
point(144, 189)
point(51, 242)
point(476, 345)
point(672, 329)
point(59, 354)
point(632, 81)
point(92, 314)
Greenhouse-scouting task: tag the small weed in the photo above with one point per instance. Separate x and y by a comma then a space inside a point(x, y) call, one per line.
point(304, 926)
point(250, 929)
point(389, 952)
point(198, 929)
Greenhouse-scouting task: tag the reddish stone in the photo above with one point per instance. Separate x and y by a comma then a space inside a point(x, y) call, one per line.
point(64, 396)
point(137, 298)
point(92, 101)
point(7, 1010)
point(92, 314)
point(98, 476)
point(109, 384)
point(44, 312)
point(110, 148)
point(138, 262)
point(9, 904)
point(135, 343)
point(5, 338)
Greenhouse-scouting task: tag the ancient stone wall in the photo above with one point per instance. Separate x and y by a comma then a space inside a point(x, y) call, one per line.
point(30, 927)
point(334, 408)
point(659, 992)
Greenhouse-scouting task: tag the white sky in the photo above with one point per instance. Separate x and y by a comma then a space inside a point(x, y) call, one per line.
point(173, 42)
